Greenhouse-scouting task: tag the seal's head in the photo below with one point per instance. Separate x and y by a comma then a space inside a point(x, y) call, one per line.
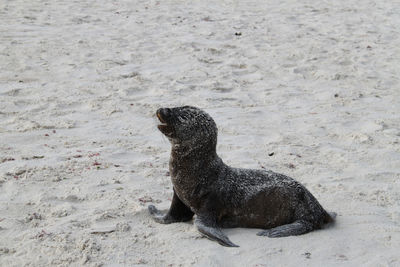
point(187, 125)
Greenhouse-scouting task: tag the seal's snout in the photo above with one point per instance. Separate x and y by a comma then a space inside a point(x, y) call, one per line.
point(163, 114)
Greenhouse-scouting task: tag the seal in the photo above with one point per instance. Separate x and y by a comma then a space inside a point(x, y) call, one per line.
point(224, 197)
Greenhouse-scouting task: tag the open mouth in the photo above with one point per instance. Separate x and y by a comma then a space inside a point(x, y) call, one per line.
point(163, 127)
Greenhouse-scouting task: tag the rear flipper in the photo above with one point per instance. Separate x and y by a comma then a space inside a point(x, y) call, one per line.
point(296, 228)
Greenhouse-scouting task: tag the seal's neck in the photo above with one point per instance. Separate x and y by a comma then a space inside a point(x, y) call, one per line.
point(189, 151)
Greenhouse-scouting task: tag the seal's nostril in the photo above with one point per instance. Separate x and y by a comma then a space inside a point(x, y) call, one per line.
point(165, 112)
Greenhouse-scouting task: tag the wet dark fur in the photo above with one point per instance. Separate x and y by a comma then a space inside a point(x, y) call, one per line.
point(222, 196)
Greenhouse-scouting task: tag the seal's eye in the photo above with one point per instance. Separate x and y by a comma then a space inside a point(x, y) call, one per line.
point(186, 116)
point(182, 118)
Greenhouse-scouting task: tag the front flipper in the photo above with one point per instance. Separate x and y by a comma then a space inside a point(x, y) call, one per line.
point(160, 217)
point(296, 228)
point(211, 231)
point(178, 212)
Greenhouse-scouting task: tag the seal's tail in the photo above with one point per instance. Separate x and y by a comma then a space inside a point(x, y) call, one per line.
point(329, 217)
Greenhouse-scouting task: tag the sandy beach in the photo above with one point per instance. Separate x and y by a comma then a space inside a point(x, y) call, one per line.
point(310, 89)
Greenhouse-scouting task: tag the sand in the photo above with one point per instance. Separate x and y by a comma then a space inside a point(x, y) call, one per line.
point(306, 88)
